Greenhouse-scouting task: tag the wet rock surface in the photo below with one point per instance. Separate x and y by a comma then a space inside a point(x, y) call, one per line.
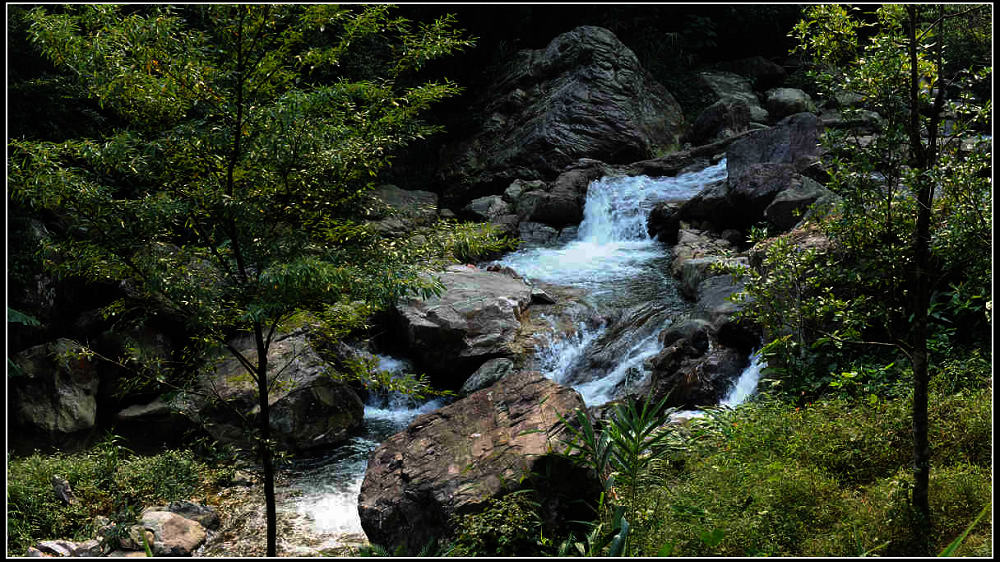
point(474, 319)
point(449, 462)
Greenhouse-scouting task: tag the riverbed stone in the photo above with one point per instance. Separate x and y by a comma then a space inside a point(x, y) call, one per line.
point(694, 244)
point(173, 535)
point(537, 234)
point(450, 462)
point(690, 378)
point(474, 319)
point(623, 329)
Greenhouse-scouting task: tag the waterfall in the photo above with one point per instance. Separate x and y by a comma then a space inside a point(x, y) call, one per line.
point(619, 264)
point(612, 243)
point(746, 384)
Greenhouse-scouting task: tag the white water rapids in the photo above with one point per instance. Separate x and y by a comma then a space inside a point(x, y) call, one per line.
point(617, 265)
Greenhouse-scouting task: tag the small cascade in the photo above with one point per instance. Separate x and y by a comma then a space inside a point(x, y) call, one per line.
point(746, 385)
point(620, 266)
point(325, 490)
point(612, 243)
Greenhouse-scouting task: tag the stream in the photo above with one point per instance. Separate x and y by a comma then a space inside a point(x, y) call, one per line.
point(623, 275)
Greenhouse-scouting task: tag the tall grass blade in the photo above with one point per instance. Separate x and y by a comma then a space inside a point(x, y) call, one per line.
point(951, 548)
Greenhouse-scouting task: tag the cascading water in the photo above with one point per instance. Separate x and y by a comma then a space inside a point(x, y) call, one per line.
point(746, 385)
point(619, 265)
point(621, 269)
point(324, 491)
point(612, 243)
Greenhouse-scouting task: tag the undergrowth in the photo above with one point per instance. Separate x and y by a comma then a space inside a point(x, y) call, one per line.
point(106, 480)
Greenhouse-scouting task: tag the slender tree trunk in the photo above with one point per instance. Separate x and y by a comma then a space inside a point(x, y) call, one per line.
point(922, 160)
point(265, 441)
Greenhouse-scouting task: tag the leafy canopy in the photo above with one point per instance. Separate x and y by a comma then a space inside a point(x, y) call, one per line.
point(232, 187)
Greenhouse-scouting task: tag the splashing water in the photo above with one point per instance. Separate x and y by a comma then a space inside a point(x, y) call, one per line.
point(326, 488)
point(618, 263)
point(612, 242)
point(745, 386)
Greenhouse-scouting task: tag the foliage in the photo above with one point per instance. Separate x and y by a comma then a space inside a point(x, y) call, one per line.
point(229, 198)
point(825, 479)
point(508, 526)
point(231, 193)
point(633, 440)
point(827, 313)
point(107, 480)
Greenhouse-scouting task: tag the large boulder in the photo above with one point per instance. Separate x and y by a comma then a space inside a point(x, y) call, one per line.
point(55, 392)
point(782, 102)
point(474, 319)
point(794, 140)
point(308, 409)
point(452, 461)
point(584, 95)
point(727, 86)
point(723, 119)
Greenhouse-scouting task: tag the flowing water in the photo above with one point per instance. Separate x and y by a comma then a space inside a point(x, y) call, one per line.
point(620, 267)
point(624, 275)
point(324, 490)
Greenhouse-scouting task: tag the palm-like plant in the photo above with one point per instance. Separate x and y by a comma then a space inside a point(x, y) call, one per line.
point(621, 453)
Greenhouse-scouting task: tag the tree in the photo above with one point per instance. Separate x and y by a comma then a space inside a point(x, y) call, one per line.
point(898, 65)
point(230, 188)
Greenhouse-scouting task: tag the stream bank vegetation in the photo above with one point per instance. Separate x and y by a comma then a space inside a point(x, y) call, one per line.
point(871, 433)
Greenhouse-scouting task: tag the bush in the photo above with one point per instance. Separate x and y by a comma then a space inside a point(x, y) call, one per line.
point(508, 526)
point(830, 478)
point(105, 480)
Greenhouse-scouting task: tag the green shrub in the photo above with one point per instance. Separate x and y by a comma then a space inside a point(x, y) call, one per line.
point(830, 478)
point(105, 480)
point(508, 526)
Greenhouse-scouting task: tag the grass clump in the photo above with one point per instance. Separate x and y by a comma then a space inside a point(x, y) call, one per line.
point(830, 478)
point(107, 480)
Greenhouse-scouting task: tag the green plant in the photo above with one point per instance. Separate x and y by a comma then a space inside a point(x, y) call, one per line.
point(955, 544)
point(633, 439)
point(508, 526)
point(107, 480)
point(231, 192)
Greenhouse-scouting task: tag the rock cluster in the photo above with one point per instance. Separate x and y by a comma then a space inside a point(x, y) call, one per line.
point(583, 96)
point(177, 529)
